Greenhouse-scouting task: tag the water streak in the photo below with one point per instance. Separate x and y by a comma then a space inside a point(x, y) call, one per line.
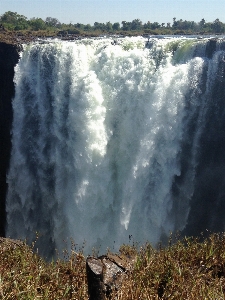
point(106, 139)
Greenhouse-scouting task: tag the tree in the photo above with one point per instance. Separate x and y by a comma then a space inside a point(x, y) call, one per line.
point(21, 24)
point(147, 25)
point(217, 26)
point(126, 26)
point(53, 22)
point(202, 23)
point(87, 27)
point(13, 20)
point(79, 26)
point(116, 26)
point(136, 24)
point(108, 26)
point(99, 26)
point(174, 23)
point(37, 24)
point(11, 17)
point(155, 25)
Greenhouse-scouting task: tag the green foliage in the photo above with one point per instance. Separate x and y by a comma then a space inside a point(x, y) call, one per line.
point(12, 17)
point(87, 27)
point(155, 25)
point(126, 26)
point(37, 24)
point(116, 26)
point(218, 26)
point(52, 22)
point(14, 21)
point(99, 26)
point(136, 24)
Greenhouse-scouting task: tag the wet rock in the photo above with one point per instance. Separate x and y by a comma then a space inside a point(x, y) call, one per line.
point(9, 56)
point(211, 47)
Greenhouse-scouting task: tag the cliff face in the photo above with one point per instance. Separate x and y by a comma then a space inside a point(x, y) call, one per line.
point(9, 56)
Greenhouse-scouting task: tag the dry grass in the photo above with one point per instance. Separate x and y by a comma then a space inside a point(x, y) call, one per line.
point(187, 269)
point(25, 275)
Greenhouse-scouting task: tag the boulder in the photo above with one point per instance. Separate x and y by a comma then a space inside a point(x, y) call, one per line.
point(106, 273)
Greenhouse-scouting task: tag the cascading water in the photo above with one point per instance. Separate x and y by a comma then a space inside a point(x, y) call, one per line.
point(110, 140)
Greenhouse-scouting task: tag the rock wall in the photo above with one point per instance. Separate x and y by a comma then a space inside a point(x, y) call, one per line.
point(9, 56)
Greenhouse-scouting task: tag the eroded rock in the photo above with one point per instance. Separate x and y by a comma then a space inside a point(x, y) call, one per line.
point(106, 274)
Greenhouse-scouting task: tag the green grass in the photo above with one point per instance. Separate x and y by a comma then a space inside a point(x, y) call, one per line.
point(185, 269)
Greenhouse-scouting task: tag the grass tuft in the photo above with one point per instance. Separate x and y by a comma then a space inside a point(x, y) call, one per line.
point(25, 275)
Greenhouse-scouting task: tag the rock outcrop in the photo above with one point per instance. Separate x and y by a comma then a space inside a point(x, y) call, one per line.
point(106, 273)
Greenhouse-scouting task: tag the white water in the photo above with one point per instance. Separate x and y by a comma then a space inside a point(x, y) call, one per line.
point(97, 136)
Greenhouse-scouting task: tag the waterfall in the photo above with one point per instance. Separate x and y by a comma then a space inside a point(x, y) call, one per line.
point(117, 140)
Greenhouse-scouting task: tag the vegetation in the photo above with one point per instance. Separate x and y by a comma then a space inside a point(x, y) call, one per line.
point(185, 269)
point(12, 21)
point(188, 269)
point(25, 275)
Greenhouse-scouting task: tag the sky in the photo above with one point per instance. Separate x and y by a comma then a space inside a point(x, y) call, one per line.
point(90, 11)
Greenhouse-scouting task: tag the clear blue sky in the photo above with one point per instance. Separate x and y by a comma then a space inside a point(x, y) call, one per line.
point(89, 11)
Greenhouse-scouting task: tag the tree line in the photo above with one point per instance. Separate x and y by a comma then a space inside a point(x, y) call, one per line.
point(14, 21)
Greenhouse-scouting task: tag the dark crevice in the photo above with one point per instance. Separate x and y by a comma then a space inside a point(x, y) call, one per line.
point(9, 56)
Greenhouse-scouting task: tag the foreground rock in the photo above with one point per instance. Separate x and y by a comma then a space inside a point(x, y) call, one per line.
point(106, 274)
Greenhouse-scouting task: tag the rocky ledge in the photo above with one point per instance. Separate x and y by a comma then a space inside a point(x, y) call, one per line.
point(17, 38)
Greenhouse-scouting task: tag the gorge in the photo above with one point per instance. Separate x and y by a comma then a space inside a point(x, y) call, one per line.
point(112, 140)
